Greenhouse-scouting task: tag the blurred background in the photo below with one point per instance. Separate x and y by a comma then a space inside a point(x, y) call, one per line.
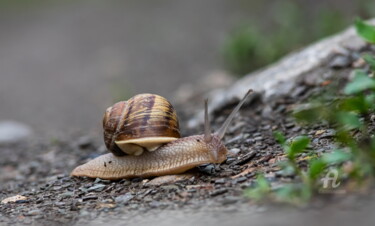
point(62, 63)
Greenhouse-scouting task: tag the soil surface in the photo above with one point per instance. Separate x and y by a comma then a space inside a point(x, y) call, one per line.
point(208, 195)
point(58, 67)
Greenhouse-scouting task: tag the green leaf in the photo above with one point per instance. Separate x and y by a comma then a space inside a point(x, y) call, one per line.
point(349, 120)
point(361, 82)
point(355, 103)
point(370, 100)
point(317, 166)
point(261, 189)
point(370, 60)
point(345, 137)
point(280, 138)
point(298, 145)
point(310, 113)
point(286, 193)
point(336, 157)
point(365, 31)
point(293, 193)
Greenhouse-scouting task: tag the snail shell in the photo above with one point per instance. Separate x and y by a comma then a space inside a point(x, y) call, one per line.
point(145, 121)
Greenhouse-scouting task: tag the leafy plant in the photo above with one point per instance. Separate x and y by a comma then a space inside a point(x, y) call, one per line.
point(295, 193)
point(250, 46)
point(349, 113)
point(366, 31)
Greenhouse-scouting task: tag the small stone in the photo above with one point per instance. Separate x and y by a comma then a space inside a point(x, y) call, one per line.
point(234, 151)
point(157, 204)
point(340, 61)
point(289, 125)
point(33, 212)
point(84, 190)
point(298, 91)
point(220, 181)
point(230, 200)
point(266, 127)
point(230, 160)
point(91, 197)
point(169, 179)
point(11, 131)
point(267, 112)
point(359, 63)
point(239, 180)
point(207, 168)
point(125, 182)
point(124, 198)
point(96, 187)
point(236, 127)
point(218, 192)
point(67, 194)
point(106, 205)
point(319, 132)
point(171, 187)
point(60, 204)
point(234, 139)
point(244, 159)
point(16, 198)
point(328, 133)
point(56, 188)
point(97, 180)
point(257, 134)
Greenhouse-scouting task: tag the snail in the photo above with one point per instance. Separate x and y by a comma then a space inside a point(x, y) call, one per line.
point(173, 155)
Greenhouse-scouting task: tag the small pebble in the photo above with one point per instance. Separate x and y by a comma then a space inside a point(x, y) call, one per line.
point(124, 198)
point(96, 187)
point(244, 159)
point(98, 180)
point(230, 200)
point(289, 125)
point(220, 181)
point(16, 198)
point(157, 204)
point(234, 151)
point(230, 160)
point(218, 192)
point(340, 61)
point(239, 180)
point(234, 139)
point(33, 212)
point(67, 194)
point(91, 197)
point(207, 168)
point(12, 131)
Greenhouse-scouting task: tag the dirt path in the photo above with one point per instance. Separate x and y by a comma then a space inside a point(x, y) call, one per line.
point(56, 73)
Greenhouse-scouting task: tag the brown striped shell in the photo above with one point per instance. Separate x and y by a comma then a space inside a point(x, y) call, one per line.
point(145, 121)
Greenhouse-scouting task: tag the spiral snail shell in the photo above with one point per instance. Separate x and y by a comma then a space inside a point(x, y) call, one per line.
point(167, 153)
point(145, 121)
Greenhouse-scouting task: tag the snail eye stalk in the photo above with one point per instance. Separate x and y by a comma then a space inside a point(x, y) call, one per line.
point(221, 132)
point(207, 127)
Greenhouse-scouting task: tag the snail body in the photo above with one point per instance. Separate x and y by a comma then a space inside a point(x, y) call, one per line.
point(172, 158)
point(176, 156)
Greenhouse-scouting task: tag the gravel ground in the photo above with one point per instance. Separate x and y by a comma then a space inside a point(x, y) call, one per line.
point(39, 170)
